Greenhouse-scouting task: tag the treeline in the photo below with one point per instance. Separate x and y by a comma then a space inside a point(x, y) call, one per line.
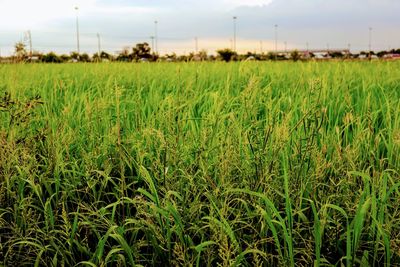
point(141, 52)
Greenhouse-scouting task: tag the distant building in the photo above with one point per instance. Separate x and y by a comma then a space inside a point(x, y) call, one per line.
point(392, 56)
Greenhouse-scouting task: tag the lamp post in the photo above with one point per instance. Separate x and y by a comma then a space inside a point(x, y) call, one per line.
point(276, 38)
point(276, 41)
point(98, 44)
point(152, 44)
point(28, 37)
point(156, 35)
point(234, 33)
point(77, 31)
point(348, 49)
point(370, 41)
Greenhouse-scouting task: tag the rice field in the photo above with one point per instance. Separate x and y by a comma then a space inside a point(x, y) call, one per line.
point(200, 164)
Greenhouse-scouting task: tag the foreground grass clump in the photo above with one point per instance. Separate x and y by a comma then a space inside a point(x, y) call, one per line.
point(251, 164)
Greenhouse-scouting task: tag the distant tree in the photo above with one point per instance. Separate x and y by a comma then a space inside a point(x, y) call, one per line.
point(336, 54)
point(84, 57)
point(202, 54)
point(141, 51)
point(382, 53)
point(271, 56)
point(211, 58)
point(75, 56)
point(51, 58)
point(20, 51)
point(295, 55)
point(171, 57)
point(96, 57)
point(124, 55)
point(105, 55)
point(65, 58)
point(227, 54)
point(191, 57)
point(183, 58)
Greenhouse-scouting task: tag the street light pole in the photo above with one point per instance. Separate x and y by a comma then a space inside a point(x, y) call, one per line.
point(348, 48)
point(370, 42)
point(156, 35)
point(29, 35)
point(234, 33)
point(152, 44)
point(98, 44)
point(77, 31)
point(276, 38)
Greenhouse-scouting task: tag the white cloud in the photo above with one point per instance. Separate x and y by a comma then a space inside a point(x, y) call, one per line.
point(239, 3)
point(28, 14)
point(17, 14)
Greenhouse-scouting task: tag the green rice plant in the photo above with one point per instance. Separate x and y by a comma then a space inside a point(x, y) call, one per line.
point(205, 164)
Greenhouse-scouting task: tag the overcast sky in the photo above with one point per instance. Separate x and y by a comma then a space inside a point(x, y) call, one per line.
point(123, 23)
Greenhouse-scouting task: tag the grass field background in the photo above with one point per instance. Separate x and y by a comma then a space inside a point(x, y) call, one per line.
point(204, 164)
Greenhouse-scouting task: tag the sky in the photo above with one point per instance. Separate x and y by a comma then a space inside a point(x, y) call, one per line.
point(123, 23)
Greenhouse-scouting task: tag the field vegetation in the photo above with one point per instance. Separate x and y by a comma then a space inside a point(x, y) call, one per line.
point(200, 164)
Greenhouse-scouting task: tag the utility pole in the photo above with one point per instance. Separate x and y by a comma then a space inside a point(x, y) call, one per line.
point(98, 44)
point(196, 44)
point(156, 35)
point(370, 42)
point(152, 44)
point(276, 38)
point(261, 46)
point(308, 50)
point(28, 36)
point(285, 46)
point(348, 48)
point(276, 41)
point(77, 31)
point(234, 33)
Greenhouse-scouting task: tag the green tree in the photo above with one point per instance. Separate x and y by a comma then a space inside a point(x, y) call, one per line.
point(105, 55)
point(295, 55)
point(75, 56)
point(20, 51)
point(124, 55)
point(141, 51)
point(84, 57)
point(226, 54)
point(65, 57)
point(51, 58)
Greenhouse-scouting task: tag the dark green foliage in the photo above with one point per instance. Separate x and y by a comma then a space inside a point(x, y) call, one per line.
point(227, 54)
point(51, 58)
